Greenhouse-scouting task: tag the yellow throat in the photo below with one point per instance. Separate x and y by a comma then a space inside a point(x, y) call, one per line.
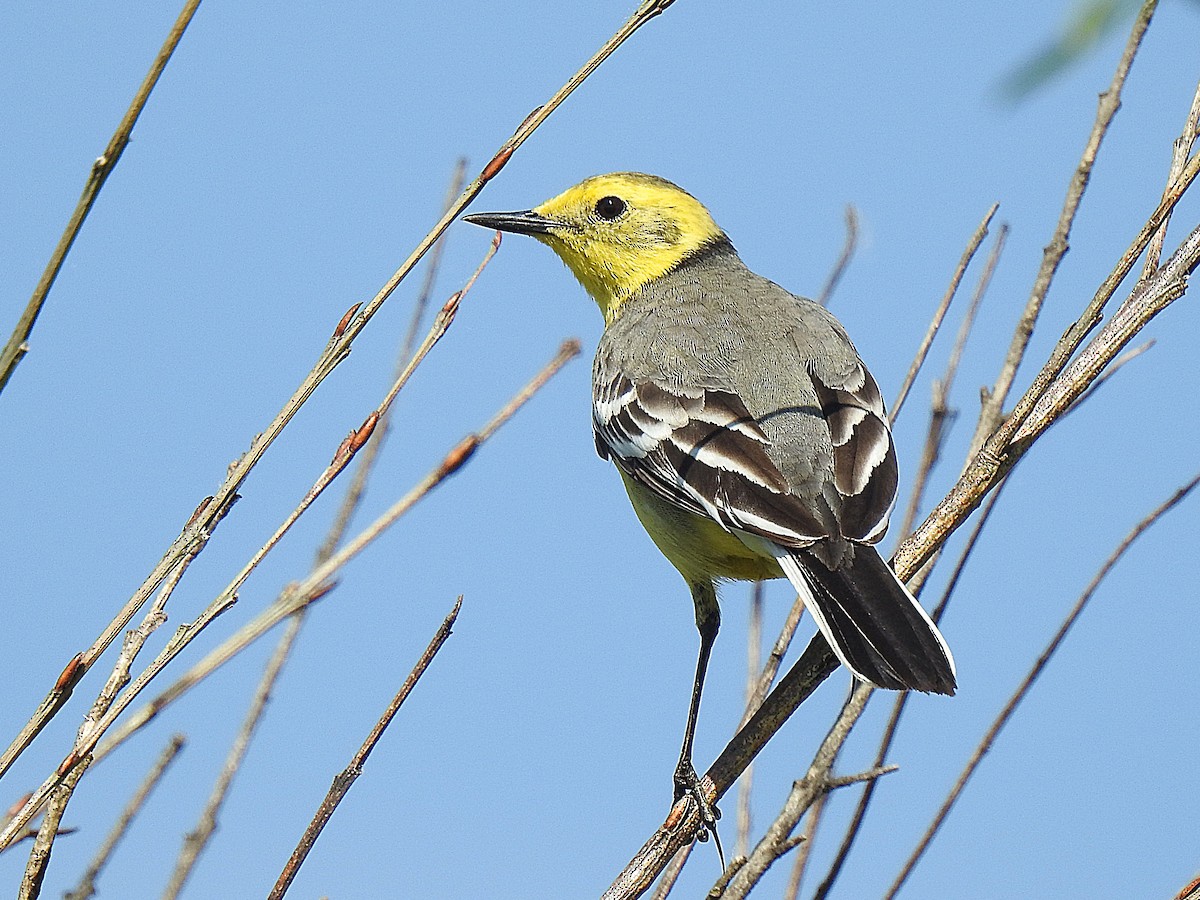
point(616, 232)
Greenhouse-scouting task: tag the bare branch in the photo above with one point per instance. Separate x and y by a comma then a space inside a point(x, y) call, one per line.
point(39, 856)
point(940, 414)
point(1023, 689)
point(939, 314)
point(753, 649)
point(294, 597)
point(344, 781)
point(1180, 151)
point(803, 794)
point(17, 346)
point(1109, 103)
point(197, 839)
point(843, 262)
point(1148, 299)
point(366, 460)
point(317, 583)
point(87, 882)
point(671, 873)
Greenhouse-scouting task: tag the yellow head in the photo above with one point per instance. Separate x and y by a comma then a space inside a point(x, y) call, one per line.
point(615, 232)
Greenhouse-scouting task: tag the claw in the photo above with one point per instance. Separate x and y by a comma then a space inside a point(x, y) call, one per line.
point(687, 784)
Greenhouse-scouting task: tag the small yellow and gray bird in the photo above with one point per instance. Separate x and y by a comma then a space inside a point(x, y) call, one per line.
point(751, 438)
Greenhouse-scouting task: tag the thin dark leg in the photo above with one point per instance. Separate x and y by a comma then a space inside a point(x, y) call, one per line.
point(708, 623)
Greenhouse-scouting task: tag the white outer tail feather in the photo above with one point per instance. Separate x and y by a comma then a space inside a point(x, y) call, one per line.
point(800, 581)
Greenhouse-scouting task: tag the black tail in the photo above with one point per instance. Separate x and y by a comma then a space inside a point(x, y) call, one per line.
point(875, 626)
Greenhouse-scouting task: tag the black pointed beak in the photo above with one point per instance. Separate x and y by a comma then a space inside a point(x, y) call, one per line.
point(524, 222)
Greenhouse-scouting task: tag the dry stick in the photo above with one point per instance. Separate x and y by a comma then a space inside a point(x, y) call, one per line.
point(673, 870)
point(345, 780)
point(774, 660)
point(804, 849)
point(87, 883)
point(1022, 691)
point(940, 413)
point(366, 460)
point(101, 716)
point(889, 731)
point(1150, 298)
point(196, 841)
point(117, 679)
point(988, 467)
point(843, 262)
point(453, 189)
point(753, 651)
point(901, 701)
point(1179, 157)
point(17, 346)
point(355, 320)
point(35, 871)
point(803, 793)
point(293, 597)
point(936, 323)
point(1109, 103)
point(1049, 395)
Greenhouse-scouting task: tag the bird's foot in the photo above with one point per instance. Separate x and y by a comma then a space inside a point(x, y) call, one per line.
point(687, 784)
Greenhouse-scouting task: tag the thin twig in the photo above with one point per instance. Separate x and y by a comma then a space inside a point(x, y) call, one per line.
point(804, 851)
point(17, 346)
point(672, 872)
point(199, 526)
point(86, 887)
point(936, 322)
point(1023, 689)
point(1180, 151)
point(898, 707)
point(365, 462)
point(1057, 385)
point(316, 584)
point(197, 839)
point(294, 597)
point(345, 780)
point(843, 262)
point(1148, 299)
point(804, 792)
point(134, 641)
point(753, 651)
point(774, 659)
point(453, 189)
point(100, 711)
point(1109, 103)
point(43, 844)
point(940, 414)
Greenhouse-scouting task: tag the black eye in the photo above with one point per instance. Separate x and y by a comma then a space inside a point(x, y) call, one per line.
point(609, 207)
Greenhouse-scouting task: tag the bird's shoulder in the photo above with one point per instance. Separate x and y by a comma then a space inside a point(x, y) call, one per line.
point(716, 320)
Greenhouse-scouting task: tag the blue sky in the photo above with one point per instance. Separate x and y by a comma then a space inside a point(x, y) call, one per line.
point(288, 161)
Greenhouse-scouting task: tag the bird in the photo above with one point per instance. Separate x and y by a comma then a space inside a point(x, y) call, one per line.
point(750, 437)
